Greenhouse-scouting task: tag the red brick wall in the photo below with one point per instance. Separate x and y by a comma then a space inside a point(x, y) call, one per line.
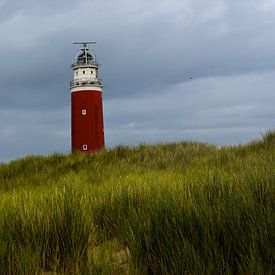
point(87, 129)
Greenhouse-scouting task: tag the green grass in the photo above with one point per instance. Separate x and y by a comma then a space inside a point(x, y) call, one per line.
point(176, 208)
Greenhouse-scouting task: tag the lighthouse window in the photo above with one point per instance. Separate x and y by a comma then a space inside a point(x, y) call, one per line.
point(91, 72)
point(83, 72)
point(84, 112)
point(85, 147)
point(76, 73)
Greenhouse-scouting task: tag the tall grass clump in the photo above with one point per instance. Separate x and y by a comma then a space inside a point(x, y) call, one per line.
point(45, 230)
point(181, 208)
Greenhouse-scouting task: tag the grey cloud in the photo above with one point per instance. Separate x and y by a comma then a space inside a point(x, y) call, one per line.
point(212, 104)
point(33, 132)
point(12, 8)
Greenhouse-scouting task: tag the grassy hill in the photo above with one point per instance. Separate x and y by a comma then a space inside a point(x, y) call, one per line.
point(176, 208)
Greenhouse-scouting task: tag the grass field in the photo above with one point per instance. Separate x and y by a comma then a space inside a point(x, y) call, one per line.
point(181, 208)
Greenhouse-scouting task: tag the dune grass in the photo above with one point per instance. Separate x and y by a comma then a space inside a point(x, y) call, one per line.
point(176, 208)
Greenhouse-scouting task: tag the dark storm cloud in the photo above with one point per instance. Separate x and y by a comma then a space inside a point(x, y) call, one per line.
point(144, 50)
point(171, 69)
point(164, 50)
point(38, 76)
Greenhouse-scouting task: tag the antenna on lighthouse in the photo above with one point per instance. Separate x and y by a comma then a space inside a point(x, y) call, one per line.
point(84, 44)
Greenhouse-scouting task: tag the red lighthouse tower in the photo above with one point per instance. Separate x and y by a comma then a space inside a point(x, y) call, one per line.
point(86, 103)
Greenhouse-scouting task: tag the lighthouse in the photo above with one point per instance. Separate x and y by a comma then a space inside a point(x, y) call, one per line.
point(87, 132)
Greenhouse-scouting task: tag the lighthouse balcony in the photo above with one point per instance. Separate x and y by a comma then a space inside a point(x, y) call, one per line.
point(78, 83)
point(85, 65)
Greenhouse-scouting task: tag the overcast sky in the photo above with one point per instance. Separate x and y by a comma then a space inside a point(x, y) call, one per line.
point(172, 70)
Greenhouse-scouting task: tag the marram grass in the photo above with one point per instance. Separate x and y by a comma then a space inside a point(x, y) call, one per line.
point(185, 208)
